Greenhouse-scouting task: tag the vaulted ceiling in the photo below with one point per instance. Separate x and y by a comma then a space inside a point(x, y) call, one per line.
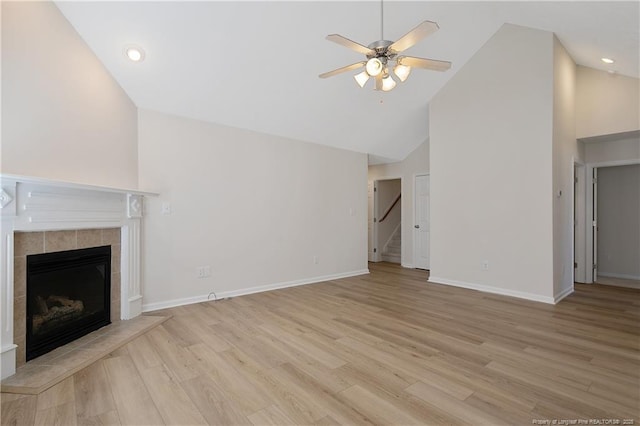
point(255, 65)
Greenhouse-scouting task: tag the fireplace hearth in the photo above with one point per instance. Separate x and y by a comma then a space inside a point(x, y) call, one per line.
point(68, 296)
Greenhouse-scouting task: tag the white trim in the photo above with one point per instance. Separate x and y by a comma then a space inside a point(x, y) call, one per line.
point(9, 292)
point(72, 185)
point(578, 217)
point(622, 276)
point(494, 290)
point(614, 163)
point(564, 293)
point(414, 231)
point(8, 360)
point(250, 290)
point(406, 265)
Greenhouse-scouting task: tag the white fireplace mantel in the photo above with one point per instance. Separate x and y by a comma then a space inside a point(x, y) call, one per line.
point(35, 204)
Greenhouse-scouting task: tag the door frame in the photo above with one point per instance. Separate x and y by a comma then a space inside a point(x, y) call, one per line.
point(590, 211)
point(579, 228)
point(413, 215)
point(377, 254)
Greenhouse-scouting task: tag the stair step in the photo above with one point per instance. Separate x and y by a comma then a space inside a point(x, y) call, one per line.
point(392, 250)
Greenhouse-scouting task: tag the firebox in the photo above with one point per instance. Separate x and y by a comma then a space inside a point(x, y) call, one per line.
point(68, 296)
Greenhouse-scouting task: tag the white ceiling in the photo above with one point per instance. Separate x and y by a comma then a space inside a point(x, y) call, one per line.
point(255, 65)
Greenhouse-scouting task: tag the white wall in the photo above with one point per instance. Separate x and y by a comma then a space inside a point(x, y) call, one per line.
point(606, 103)
point(416, 163)
point(622, 147)
point(565, 152)
point(619, 221)
point(491, 166)
point(256, 208)
point(63, 116)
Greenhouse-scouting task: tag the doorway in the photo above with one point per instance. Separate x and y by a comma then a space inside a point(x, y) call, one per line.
point(385, 224)
point(616, 225)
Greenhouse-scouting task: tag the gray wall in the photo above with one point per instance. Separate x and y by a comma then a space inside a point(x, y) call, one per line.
point(619, 221)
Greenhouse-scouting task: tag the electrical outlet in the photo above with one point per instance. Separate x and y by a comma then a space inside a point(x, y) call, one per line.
point(485, 265)
point(203, 271)
point(166, 208)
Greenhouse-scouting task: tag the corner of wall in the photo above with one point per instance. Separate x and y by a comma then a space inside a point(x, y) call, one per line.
point(565, 150)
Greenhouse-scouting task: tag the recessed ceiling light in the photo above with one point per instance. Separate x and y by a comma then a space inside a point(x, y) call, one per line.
point(134, 53)
point(607, 60)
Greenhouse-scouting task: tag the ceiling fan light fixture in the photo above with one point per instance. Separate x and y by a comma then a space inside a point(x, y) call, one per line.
point(388, 83)
point(361, 78)
point(374, 67)
point(402, 71)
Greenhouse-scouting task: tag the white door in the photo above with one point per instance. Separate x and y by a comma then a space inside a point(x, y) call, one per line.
point(422, 222)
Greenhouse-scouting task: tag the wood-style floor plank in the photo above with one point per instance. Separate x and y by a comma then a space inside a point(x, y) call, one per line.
point(18, 409)
point(133, 402)
point(383, 348)
point(93, 393)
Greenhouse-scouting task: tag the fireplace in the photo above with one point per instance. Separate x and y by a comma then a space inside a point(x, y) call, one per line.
point(45, 216)
point(68, 296)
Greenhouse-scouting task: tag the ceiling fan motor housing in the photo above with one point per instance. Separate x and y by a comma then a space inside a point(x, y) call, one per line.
point(381, 50)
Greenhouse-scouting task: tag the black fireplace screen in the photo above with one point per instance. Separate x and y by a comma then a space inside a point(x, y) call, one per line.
point(68, 296)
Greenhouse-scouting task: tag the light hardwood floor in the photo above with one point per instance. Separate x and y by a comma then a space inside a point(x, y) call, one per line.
point(385, 348)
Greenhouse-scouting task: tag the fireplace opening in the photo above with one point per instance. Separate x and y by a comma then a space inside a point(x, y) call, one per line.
point(68, 296)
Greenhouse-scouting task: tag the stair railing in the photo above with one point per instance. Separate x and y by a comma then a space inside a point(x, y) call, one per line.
point(386, 213)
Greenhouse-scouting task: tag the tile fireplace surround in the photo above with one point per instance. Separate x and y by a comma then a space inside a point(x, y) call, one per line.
point(40, 215)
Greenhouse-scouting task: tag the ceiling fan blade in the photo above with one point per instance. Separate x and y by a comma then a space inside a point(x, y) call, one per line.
point(343, 69)
point(378, 85)
point(343, 41)
point(423, 29)
point(429, 64)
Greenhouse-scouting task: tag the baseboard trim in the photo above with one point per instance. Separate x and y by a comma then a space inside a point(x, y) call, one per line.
point(564, 293)
point(494, 290)
point(8, 359)
point(150, 307)
point(621, 276)
point(406, 265)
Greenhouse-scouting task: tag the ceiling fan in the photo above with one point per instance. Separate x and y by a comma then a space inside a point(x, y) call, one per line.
point(382, 53)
